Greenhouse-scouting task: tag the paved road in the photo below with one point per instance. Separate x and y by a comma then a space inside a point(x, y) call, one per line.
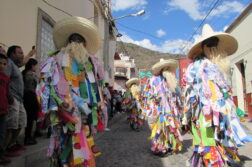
point(122, 147)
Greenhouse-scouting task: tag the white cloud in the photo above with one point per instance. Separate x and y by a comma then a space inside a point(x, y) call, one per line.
point(161, 33)
point(191, 7)
point(118, 5)
point(146, 43)
point(198, 11)
point(226, 8)
point(168, 46)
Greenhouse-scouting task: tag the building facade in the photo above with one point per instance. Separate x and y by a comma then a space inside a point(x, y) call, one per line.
point(241, 61)
point(124, 69)
point(30, 23)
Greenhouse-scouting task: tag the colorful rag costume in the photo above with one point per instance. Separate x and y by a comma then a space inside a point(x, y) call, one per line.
point(132, 103)
point(61, 84)
point(69, 93)
point(162, 110)
point(210, 110)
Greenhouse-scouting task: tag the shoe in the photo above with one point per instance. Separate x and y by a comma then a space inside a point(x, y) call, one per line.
point(12, 154)
point(106, 129)
point(4, 161)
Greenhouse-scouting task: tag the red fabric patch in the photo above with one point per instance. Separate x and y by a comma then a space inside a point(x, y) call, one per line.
point(77, 146)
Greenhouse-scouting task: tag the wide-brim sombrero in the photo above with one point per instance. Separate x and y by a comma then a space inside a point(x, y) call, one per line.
point(132, 81)
point(226, 42)
point(169, 65)
point(86, 28)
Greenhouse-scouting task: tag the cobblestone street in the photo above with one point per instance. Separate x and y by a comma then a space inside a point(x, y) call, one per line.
point(122, 147)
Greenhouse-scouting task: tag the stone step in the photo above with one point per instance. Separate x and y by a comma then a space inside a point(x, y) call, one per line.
point(35, 155)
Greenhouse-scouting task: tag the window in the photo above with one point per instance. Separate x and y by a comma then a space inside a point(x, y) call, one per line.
point(44, 35)
point(121, 70)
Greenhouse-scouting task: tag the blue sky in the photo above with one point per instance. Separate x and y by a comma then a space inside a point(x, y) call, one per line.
point(169, 25)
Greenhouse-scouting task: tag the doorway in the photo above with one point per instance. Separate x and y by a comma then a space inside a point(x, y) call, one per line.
point(241, 66)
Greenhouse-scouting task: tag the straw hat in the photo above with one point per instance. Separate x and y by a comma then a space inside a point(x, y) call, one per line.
point(170, 64)
point(86, 28)
point(132, 81)
point(226, 42)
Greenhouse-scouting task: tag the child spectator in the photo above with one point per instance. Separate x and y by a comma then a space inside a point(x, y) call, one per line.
point(4, 89)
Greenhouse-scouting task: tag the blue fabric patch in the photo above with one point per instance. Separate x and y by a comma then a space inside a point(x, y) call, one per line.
point(161, 118)
point(192, 99)
point(221, 102)
point(90, 92)
point(206, 149)
point(196, 148)
point(201, 105)
point(75, 68)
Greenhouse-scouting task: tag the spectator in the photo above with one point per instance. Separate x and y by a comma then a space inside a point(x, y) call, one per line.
point(4, 89)
point(2, 50)
point(112, 106)
point(118, 101)
point(30, 99)
point(16, 118)
point(105, 113)
point(108, 95)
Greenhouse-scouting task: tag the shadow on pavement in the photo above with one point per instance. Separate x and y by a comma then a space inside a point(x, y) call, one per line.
point(187, 143)
point(243, 159)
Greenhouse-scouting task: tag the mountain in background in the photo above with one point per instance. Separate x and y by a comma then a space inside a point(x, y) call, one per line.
point(144, 58)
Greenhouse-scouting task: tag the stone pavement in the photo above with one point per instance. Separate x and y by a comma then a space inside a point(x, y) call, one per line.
point(122, 147)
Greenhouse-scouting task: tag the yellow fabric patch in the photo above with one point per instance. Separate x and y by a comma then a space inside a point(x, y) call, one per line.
point(207, 156)
point(154, 129)
point(68, 72)
point(78, 161)
point(76, 139)
point(212, 88)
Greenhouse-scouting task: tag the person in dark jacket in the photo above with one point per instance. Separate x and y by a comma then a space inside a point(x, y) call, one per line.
point(30, 100)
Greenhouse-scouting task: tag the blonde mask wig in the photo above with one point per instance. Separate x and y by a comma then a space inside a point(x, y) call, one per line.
point(171, 79)
point(135, 90)
point(77, 51)
point(218, 57)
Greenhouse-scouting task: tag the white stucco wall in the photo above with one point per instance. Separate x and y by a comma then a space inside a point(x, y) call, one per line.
point(112, 49)
point(100, 25)
point(19, 18)
point(242, 32)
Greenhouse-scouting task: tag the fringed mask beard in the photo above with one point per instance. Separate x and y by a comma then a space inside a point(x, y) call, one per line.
point(218, 57)
point(171, 79)
point(77, 52)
